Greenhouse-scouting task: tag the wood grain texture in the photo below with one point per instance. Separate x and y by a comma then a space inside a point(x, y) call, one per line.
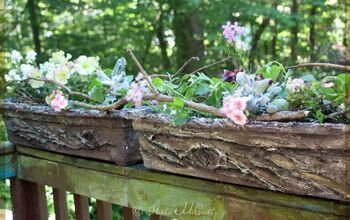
point(298, 158)
point(84, 133)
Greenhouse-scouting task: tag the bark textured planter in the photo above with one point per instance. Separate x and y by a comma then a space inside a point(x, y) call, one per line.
point(85, 133)
point(298, 158)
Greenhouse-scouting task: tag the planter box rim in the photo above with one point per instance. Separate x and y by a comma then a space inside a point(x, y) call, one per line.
point(13, 105)
point(226, 123)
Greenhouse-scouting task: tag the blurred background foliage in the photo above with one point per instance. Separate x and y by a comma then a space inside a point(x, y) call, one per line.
point(165, 33)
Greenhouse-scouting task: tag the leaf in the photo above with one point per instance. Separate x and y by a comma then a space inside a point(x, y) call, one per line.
point(178, 102)
point(119, 67)
point(97, 94)
point(320, 116)
point(275, 72)
point(329, 93)
point(157, 82)
point(202, 89)
point(308, 77)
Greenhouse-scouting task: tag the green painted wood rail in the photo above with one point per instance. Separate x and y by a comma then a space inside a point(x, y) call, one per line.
point(162, 194)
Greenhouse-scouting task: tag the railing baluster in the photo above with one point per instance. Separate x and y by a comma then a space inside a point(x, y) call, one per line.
point(155, 217)
point(104, 210)
point(28, 200)
point(81, 207)
point(60, 203)
point(128, 214)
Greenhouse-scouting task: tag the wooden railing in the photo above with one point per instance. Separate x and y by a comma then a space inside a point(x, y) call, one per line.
point(136, 188)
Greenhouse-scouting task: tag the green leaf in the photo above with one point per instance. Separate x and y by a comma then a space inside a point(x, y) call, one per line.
point(329, 93)
point(97, 94)
point(157, 82)
point(202, 89)
point(275, 72)
point(308, 77)
point(178, 102)
point(320, 116)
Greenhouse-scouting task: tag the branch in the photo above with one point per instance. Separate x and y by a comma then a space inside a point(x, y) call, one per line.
point(189, 104)
point(145, 75)
point(185, 64)
point(68, 90)
point(325, 65)
point(281, 116)
point(212, 64)
point(112, 106)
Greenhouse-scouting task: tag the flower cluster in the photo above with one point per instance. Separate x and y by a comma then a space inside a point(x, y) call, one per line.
point(137, 90)
point(57, 100)
point(233, 107)
point(231, 32)
point(59, 69)
point(294, 85)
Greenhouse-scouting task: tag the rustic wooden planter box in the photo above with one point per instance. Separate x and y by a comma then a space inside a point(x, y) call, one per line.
point(85, 133)
point(298, 158)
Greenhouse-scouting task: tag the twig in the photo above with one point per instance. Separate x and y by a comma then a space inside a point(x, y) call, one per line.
point(112, 106)
point(281, 116)
point(325, 65)
point(68, 90)
point(145, 75)
point(184, 65)
point(212, 64)
point(336, 114)
point(189, 104)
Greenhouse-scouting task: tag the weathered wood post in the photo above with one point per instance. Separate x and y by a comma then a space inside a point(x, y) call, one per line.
point(28, 200)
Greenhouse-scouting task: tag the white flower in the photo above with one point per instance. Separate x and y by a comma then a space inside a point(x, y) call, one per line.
point(164, 107)
point(86, 65)
point(36, 83)
point(12, 75)
point(61, 73)
point(295, 84)
point(173, 112)
point(46, 68)
point(31, 56)
point(26, 70)
point(60, 57)
point(16, 57)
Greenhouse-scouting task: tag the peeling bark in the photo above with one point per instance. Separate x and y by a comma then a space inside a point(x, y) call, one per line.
point(86, 133)
point(298, 158)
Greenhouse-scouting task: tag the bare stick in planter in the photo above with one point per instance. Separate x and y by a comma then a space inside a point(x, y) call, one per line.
point(325, 65)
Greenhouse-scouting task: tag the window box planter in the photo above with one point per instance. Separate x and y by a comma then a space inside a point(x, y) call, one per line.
point(86, 133)
point(292, 157)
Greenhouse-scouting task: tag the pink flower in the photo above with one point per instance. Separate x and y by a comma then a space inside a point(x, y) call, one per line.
point(231, 30)
point(135, 94)
point(233, 108)
point(238, 117)
point(234, 103)
point(228, 32)
point(295, 85)
point(59, 102)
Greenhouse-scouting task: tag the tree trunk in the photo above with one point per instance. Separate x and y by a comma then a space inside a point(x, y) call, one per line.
point(274, 40)
point(294, 31)
point(188, 32)
point(255, 42)
point(346, 37)
point(312, 32)
point(161, 38)
point(31, 4)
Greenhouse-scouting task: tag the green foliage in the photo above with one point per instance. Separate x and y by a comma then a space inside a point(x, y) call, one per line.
point(323, 98)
